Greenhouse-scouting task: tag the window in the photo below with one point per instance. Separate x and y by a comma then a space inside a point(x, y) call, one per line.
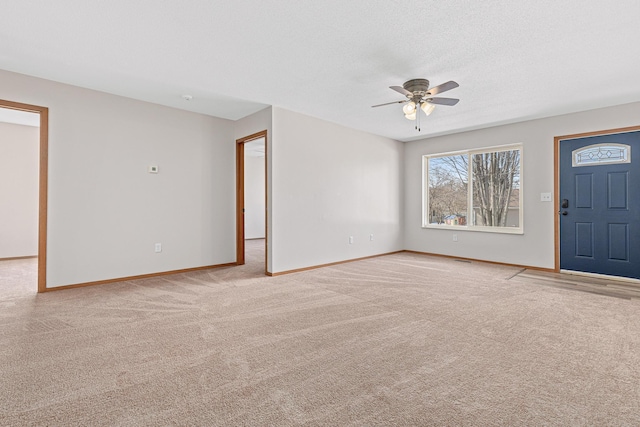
point(478, 190)
point(601, 154)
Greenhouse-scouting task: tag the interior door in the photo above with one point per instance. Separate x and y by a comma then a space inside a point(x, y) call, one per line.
point(600, 204)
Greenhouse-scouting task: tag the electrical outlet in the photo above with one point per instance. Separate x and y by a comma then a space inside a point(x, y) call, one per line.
point(371, 237)
point(351, 240)
point(153, 169)
point(158, 247)
point(455, 237)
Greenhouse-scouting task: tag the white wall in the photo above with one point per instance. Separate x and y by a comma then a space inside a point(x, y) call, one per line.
point(105, 210)
point(256, 122)
point(329, 183)
point(536, 246)
point(325, 183)
point(254, 192)
point(19, 155)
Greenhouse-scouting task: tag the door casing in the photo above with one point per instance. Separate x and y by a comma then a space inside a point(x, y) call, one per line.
point(240, 247)
point(42, 186)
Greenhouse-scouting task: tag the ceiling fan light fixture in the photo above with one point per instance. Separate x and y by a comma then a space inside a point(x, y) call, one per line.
point(420, 97)
point(409, 108)
point(427, 108)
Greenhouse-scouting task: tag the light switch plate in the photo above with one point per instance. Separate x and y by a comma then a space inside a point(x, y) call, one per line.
point(545, 197)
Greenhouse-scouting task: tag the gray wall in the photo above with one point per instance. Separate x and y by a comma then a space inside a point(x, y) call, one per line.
point(325, 183)
point(536, 246)
point(254, 195)
point(19, 155)
point(105, 211)
point(331, 182)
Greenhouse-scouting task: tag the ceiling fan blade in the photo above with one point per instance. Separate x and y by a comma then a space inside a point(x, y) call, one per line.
point(389, 103)
point(401, 90)
point(442, 88)
point(442, 101)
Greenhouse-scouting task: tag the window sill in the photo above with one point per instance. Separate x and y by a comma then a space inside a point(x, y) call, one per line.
point(499, 230)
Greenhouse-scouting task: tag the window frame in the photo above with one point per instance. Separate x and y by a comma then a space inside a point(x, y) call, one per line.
point(468, 226)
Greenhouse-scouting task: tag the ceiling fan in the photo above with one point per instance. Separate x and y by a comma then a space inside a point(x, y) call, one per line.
point(420, 97)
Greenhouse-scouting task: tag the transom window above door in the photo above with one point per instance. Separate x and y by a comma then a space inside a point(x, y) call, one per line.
point(601, 154)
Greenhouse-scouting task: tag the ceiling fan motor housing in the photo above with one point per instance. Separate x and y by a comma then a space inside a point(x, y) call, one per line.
point(418, 87)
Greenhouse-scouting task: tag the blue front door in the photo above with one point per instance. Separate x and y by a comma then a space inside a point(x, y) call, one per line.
point(600, 204)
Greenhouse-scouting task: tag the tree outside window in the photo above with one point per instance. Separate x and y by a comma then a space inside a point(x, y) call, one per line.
point(448, 189)
point(477, 190)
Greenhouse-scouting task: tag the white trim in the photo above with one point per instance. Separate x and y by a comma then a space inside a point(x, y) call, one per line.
point(469, 153)
point(480, 228)
point(505, 147)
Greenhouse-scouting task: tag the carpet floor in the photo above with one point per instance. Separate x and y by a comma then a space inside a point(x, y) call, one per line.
point(18, 278)
point(397, 340)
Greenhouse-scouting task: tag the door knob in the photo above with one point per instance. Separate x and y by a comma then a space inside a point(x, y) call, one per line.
point(563, 212)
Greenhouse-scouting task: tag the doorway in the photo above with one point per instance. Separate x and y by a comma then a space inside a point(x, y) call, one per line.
point(13, 109)
point(598, 203)
point(249, 150)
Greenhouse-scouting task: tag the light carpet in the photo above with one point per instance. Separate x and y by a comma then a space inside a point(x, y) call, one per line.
point(398, 340)
point(18, 278)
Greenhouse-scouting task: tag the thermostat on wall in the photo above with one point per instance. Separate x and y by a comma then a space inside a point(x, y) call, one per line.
point(153, 169)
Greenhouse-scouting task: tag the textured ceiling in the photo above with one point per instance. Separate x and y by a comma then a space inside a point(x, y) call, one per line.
point(333, 59)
